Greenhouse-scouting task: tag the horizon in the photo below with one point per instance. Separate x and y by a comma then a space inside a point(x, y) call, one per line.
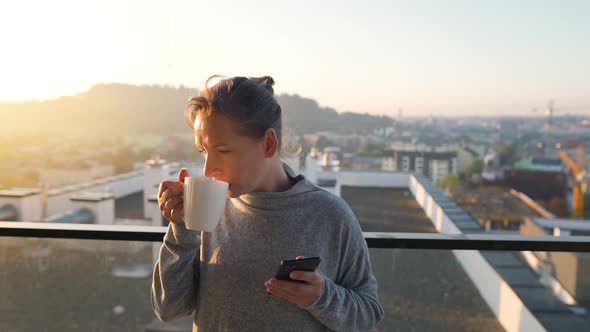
point(394, 115)
point(425, 58)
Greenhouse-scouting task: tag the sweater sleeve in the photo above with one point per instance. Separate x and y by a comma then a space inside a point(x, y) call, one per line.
point(352, 303)
point(176, 274)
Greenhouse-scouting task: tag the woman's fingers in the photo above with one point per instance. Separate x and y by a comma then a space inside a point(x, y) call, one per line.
point(176, 212)
point(162, 198)
point(177, 215)
point(170, 201)
point(287, 289)
point(302, 294)
point(281, 292)
point(164, 185)
point(170, 192)
point(173, 202)
point(168, 189)
point(173, 186)
point(311, 277)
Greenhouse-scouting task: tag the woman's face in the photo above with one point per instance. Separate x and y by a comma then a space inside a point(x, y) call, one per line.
point(237, 160)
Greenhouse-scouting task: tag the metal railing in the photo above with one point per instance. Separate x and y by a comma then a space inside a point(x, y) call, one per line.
point(374, 239)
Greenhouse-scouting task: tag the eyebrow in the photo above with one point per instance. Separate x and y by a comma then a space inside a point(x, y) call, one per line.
point(216, 145)
point(199, 143)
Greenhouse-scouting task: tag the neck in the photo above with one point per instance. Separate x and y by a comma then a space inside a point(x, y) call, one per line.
point(276, 178)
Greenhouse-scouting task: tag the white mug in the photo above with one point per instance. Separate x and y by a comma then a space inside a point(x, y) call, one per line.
point(204, 201)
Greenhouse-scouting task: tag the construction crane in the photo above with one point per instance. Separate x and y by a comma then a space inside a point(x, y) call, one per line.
point(549, 113)
point(578, 173)
point(548, 128)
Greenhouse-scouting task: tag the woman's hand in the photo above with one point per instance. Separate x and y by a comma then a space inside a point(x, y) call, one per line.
point(300, 293)
point(170, 198)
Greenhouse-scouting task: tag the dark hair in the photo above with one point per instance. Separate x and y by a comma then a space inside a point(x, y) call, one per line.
point(249, 101)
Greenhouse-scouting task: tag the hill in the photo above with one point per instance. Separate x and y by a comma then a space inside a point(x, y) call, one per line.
point(123, 109)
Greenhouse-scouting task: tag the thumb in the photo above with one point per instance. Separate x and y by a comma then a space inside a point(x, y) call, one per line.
point(299, 257)
point(182, 174)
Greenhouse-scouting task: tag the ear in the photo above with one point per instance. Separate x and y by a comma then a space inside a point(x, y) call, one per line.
point(271, 143)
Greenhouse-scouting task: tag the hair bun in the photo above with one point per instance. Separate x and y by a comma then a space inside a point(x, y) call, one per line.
point(266, 81)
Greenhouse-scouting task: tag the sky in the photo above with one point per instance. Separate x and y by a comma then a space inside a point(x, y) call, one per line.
point(424, 57)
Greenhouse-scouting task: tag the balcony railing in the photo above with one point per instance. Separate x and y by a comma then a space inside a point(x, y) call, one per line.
point(502, 242)
point(441, 283)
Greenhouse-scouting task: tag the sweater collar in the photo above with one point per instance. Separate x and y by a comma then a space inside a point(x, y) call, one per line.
point(273, 201)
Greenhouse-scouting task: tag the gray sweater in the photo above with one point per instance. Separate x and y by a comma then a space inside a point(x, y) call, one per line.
point(219, 276)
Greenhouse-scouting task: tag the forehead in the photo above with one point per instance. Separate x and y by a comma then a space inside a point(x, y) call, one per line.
point(214, 129)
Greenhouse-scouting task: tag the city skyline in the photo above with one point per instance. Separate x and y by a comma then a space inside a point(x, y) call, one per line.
point(425, 58)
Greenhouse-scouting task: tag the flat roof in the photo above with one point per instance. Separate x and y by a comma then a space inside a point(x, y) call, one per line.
point(434, 279)
point(92, 196)
point(491, 203)
point(420, 290)
point(19, 192)
point(569, 224)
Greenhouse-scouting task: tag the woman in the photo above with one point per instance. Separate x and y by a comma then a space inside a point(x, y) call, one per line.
point(271, 214)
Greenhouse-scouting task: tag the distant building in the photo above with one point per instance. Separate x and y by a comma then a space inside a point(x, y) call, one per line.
point(466, 156)
point(491, 159)
point(346, 161)
point(543, 179)
point(331, 157)
point(570, 269)
point(343, 140)
point(541, 164)
point(388, 163)
point(509, 130)
point(492, 171)
point(366, 162)
point(434, 162)
point(492, 175)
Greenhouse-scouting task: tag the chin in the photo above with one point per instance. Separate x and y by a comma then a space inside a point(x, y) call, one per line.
point(232, 194)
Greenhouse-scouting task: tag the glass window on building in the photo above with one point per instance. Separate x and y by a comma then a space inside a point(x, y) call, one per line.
point(405, 163)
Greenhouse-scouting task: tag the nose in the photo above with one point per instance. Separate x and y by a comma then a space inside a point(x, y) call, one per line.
point(211, 170)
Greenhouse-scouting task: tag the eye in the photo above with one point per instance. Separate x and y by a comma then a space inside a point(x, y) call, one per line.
point(223, 151)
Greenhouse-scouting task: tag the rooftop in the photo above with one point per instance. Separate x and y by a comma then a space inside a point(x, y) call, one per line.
point(19, 192)
point(492, 203)
point(420, 290)
point(72, 285)
point(424, 290)
point(540, 164)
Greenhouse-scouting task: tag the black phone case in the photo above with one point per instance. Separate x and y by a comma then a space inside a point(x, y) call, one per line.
point(304, 264)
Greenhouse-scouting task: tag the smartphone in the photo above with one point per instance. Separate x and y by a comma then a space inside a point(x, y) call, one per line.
point(303, 264)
